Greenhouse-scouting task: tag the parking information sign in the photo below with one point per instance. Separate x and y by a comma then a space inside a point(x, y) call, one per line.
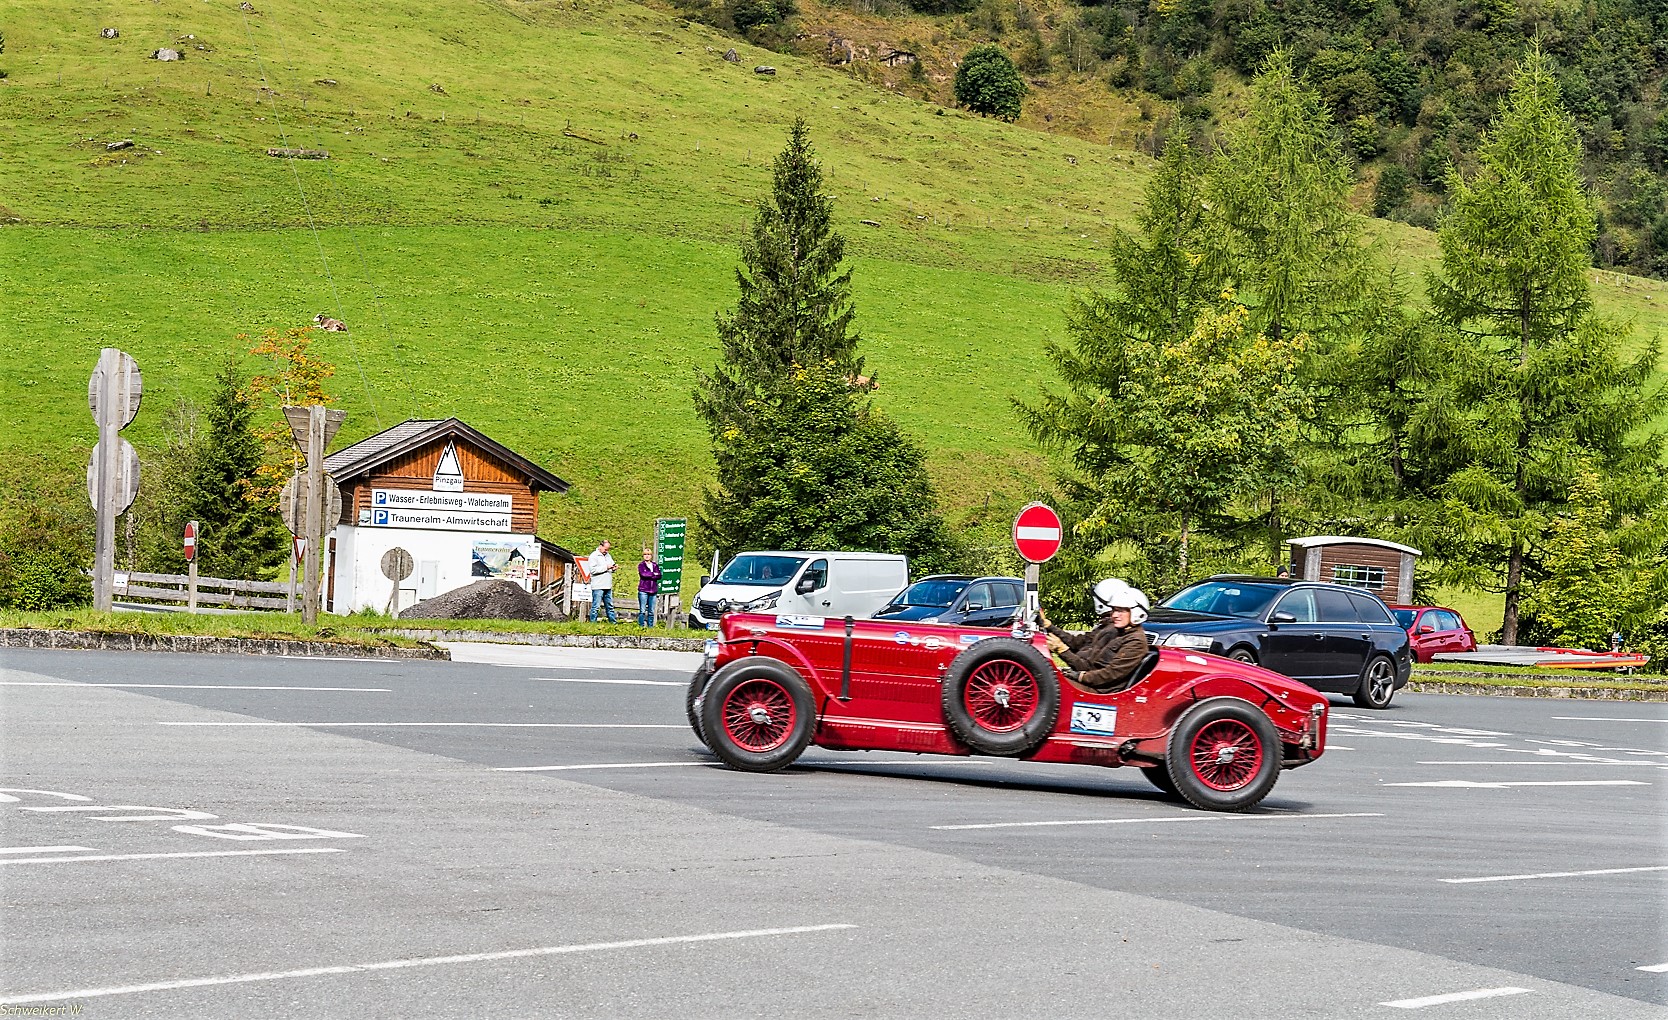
point(1037, 533)
point(668, 552)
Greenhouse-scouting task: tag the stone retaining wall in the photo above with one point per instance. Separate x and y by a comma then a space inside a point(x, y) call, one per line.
point(27, 637)
point(662, 644)
point(1501, 691)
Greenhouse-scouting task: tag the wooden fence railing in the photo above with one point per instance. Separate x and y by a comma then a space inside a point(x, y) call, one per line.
point(211, 591)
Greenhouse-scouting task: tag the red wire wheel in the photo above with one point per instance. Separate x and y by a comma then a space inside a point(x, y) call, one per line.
point(1226, 755)
point(758, 715)
point(1001, 695)
point(1223, 755)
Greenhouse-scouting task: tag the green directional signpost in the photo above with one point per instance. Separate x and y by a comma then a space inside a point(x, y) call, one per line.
point(668, 552)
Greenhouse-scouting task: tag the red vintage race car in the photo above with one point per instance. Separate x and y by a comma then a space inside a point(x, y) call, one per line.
point(1215, 732)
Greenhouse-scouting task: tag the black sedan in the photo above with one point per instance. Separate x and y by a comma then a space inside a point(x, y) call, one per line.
point(1331, 637)
point(956, 599)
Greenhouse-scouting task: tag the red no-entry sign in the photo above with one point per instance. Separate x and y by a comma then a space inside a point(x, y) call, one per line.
point(190, 541)
point(1037, 533)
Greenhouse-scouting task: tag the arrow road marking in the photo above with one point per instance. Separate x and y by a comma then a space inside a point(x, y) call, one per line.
point(1660, 968)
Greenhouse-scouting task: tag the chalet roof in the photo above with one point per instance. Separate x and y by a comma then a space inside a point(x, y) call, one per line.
point(371, 452)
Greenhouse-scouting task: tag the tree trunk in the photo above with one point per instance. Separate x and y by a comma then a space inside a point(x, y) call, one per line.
point(1514, 585)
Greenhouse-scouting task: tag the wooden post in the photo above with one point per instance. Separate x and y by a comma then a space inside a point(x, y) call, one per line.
point(315, 514)
point(289, 597)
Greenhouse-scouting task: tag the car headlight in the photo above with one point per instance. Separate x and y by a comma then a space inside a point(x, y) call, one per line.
point(1200, 641)
point(762, 603)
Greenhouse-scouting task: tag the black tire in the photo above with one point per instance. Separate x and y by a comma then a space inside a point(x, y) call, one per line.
point(692, 700)
point(1001, 696)
point(758, 714)
point(1378, 683)
point(1159, 776)
point(1243, 655)
point(1209, 748)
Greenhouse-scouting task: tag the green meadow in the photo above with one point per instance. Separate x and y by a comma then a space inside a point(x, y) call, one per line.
point(528, 219)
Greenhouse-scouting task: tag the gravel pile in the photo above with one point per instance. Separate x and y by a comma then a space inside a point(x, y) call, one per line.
point(485, 600)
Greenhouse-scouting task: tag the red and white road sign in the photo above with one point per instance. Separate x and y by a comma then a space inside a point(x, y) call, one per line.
point(1037, 533)
point(190, 541)
point(300, 547)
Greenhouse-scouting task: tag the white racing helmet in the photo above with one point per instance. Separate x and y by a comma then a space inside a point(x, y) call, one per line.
point(1112, 593)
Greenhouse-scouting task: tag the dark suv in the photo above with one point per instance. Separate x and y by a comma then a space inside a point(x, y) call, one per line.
point(1331, 637)
point(957, 599)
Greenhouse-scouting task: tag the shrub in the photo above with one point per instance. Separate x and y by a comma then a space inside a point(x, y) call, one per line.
point(1392, 190)
point(988, 83)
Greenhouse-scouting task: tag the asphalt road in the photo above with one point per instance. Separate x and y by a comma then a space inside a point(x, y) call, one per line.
point(252, 837)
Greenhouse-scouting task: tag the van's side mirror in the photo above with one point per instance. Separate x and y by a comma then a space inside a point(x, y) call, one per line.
point(1282, 617)
point(706, 579)
point(806, 585)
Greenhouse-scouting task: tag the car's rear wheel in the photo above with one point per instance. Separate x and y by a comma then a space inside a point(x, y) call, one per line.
point(757, 714)
point(1224, 755)
point(692, 700)
point(1001, 696)
point(1378, 683)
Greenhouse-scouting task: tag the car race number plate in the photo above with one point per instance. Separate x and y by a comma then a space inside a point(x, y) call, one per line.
point(1099, 720)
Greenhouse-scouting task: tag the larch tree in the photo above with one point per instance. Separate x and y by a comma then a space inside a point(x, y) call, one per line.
point(1539, 387)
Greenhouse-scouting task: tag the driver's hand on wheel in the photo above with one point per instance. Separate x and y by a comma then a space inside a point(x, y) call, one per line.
point(1055, 645)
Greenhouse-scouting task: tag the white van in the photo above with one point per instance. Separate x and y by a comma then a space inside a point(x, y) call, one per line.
point(835, 584)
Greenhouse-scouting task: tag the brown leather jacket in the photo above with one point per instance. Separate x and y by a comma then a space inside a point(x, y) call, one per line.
point(1106, 657)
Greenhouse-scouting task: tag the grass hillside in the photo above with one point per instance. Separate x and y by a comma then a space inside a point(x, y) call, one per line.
point(528, 219)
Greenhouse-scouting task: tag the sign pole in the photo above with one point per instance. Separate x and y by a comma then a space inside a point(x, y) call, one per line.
point(315, 514)
point(104, 537)
point(191, 566)
point(1033, 597)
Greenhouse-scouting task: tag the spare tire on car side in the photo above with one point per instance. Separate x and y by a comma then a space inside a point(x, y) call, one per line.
point(1001, 696)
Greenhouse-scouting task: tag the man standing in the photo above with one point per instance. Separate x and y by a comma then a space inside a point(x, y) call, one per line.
point(601, 567)
point(648, 586)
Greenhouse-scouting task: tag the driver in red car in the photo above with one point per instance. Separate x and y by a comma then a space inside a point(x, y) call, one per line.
point(1104, 659)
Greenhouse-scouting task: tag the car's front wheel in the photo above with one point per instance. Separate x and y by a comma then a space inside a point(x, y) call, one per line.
point(1224, 755)
point(1243, 655)
point(1378, 683)
point(757, 714)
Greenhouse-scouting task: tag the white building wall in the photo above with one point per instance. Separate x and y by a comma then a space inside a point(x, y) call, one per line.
point(359, 580)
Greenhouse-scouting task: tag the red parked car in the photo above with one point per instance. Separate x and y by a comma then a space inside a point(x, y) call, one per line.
point(1433, 629)
point(1212, 731)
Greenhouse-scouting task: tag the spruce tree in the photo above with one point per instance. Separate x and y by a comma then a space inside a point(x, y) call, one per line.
point(803, 460)
point(1538, 386)
point(241, 535)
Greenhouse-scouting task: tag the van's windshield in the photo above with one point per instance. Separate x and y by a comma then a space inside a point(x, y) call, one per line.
point(759, 569)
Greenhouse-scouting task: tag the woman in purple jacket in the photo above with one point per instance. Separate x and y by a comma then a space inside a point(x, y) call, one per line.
point(648, 586)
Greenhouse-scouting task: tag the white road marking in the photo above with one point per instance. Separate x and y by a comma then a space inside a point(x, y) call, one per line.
point(1648, 764)
point(889, 764)
point(1658, 968)
point(568, 657)
point(421, 961)
point(1159, 818)
point(501, 725)
point(1437, 1000)
point(1338, 747)
point(336, 658)
point(611, 680)
point(1467, 784)
point(196, 687)
point(46, 849)
point(1606, 718)
point(158, 857)
point(612, 765)
point(1550, 874)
